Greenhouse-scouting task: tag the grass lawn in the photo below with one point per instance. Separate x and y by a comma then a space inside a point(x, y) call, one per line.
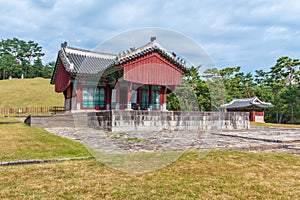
point(219, 175)
point(29, 93)
point(275, 125)
point(8, 119)
point(19, 142)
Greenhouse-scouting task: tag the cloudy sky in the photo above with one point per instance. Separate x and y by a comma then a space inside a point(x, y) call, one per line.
point(247, 33)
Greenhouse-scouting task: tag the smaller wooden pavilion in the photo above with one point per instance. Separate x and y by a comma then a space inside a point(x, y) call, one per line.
point(139, 78)
point(252, 105)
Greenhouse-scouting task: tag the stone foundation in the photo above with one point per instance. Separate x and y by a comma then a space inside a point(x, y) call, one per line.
point(134, 120)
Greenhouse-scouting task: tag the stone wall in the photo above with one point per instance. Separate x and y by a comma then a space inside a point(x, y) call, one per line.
point(59, 120)
point(133, 120)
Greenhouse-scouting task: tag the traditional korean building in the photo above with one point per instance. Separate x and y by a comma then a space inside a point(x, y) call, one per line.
point(252, 105)
point(135, 79)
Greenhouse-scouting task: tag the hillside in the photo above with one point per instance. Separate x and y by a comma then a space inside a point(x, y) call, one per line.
point(29, 93)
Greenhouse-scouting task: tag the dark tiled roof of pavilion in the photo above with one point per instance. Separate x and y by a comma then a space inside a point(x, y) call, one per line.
point(244, 103)
point(85, 62)
point(79, 61)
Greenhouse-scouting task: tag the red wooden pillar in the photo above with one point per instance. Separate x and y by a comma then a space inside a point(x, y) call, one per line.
point(79, 96)
point(107, 97)
point(139, 98)
point(118, 96)
point(163, 98)
point(252, 116)
point(129, 95)
point(150, 97)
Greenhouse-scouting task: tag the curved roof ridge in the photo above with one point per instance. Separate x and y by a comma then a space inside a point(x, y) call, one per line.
point(245, 99)
point(83, 61)
point(247, 102)
point(149, 47)
point(89, 53)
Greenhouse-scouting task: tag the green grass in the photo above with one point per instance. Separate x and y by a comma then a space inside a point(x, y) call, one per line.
point(19, 142)
point(29, 93)
point(8, 119)
point(275, 125)
point(219, 175)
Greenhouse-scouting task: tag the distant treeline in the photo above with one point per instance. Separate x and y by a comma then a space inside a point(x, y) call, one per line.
point(20, 59)
point(279, 85)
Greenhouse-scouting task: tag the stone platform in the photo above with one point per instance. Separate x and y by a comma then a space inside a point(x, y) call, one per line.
point(119, 121)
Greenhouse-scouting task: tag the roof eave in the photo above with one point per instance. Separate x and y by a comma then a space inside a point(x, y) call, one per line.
point(53, 77)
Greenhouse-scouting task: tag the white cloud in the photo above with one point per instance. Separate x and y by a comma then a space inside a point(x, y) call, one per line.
point(234, 32)
point(277, 33)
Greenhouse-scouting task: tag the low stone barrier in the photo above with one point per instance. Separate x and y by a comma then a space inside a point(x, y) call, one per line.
point(59, 120)
point(137, 120)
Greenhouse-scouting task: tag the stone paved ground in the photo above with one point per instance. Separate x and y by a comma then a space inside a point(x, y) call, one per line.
point(256, 139)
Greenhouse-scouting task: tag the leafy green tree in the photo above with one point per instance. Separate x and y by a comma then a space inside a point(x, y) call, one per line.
point(46, 72)
point(290, 98)
point(216, 89)
point(279, 86)
point(191, 95)
point(8, 65)
point(25, 54)
point(200, 88)
point(235, 84)
point(281, 80)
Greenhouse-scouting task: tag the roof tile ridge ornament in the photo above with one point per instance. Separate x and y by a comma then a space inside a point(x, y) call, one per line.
point(64, 58)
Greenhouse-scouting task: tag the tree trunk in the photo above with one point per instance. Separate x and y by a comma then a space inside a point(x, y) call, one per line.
point(280, 119)
point(292, 113)
point(3, 74)
point(291, 76)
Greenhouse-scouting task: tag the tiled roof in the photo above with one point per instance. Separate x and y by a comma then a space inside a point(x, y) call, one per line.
point(244, 103)
point(152, 47)
point(90, 62)
point(86, 62)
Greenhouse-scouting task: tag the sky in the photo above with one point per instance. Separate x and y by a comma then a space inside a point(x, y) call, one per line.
point(252, 34)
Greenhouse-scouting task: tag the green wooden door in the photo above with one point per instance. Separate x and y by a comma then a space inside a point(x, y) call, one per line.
point(155, 99)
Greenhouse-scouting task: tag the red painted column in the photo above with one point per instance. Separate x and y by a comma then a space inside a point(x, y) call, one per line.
point(163, 98)
point(118, 96)
point(107, 97)
point(252, 115)
point(129, 95)
point(79, 96)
